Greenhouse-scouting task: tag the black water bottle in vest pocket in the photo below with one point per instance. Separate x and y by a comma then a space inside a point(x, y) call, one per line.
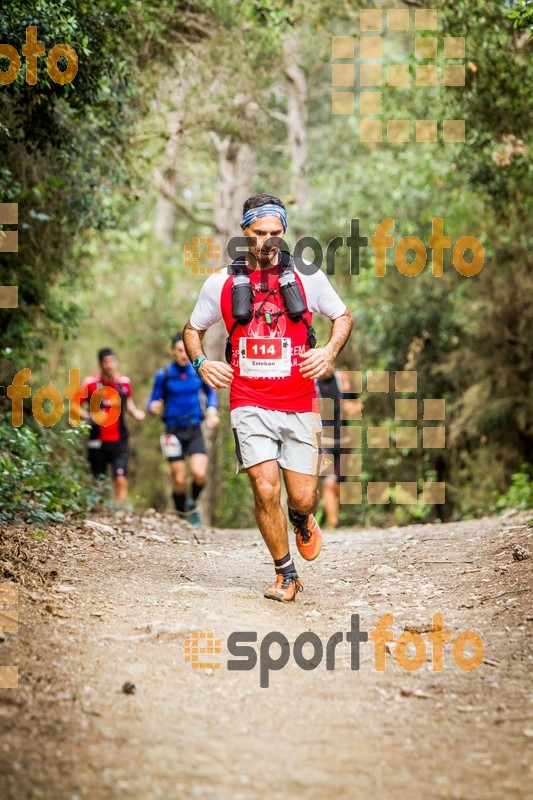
point(242, 298)
point(289, 288)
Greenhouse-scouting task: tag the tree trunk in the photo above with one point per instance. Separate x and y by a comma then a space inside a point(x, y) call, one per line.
point(168, 180)
point(296, 121)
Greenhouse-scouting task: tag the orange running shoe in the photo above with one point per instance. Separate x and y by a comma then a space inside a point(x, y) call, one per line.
point(308, 534)
point(284, 588)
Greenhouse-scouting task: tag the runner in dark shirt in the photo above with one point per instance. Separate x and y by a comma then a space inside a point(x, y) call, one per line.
point(335, 385)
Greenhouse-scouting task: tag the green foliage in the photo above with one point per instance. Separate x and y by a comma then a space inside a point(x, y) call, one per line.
point(519, 495)
point(43, 475)
point(522, 14)
point(63, 148)
point(235, 509)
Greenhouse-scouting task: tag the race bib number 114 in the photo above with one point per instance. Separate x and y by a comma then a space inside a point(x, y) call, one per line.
point(262, 358)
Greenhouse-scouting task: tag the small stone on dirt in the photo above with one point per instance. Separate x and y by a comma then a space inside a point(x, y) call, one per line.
point(98, 526)
point(420, 627)
point(383, 569)
point(520, 553)
point(190, 588)
point(414, 693)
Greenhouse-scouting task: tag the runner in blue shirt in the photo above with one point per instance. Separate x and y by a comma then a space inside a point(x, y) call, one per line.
point(176, 396)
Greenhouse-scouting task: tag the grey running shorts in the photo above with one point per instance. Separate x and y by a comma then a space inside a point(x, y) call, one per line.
point(290, 438)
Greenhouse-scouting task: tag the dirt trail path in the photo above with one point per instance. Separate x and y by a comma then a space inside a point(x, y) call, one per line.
point(124, 600)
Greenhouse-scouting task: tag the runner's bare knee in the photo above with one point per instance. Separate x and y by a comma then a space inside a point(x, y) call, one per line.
point(266, 490)
point(178, 475)
point(306, 500)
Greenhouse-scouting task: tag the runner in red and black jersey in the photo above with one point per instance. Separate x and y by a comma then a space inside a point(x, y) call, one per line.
point(267, 304)
point(108, 443)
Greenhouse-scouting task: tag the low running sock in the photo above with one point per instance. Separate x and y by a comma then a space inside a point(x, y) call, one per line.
point(297, 518)
point(180, 498)
point(285, 566)
point(196, 488)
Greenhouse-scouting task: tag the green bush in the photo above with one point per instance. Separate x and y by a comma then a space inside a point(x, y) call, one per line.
point(42, 474)
point(520, 493)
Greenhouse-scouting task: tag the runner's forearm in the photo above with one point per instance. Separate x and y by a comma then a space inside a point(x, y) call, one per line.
point(130, 406)
point(192, 339)
point(342, 327)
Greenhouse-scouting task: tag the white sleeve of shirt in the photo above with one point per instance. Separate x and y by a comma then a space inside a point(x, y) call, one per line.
point(320, 294)
point(207, 310)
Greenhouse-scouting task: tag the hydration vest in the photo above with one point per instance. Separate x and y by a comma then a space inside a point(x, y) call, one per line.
point(243, 294)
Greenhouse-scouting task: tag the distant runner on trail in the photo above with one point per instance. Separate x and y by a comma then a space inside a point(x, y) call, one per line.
point(108, 444)
point(335, 385)
point(176, 395)
point(267, 306)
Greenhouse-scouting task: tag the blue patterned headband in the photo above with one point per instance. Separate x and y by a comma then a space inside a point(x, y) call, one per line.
point(269, 210)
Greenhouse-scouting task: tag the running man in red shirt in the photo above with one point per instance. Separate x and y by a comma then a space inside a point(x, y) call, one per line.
point(108, 444)
point(273, 362)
